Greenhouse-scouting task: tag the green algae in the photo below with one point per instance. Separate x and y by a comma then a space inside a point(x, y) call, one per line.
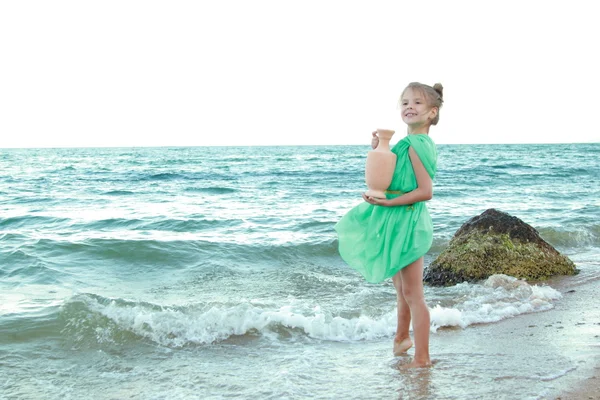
point(476, 255)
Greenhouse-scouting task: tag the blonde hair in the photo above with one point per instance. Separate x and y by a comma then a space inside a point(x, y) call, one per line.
point(434, 95)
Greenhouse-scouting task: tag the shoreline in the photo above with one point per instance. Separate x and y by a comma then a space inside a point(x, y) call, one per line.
point(577, 334)
point(548, 355)
point(586, 385)
point(589, 389)
point(526, 347)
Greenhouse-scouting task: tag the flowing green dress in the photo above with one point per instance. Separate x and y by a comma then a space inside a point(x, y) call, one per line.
point(379, 241)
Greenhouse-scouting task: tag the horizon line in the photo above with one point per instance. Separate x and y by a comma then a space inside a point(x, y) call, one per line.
point(275, 145)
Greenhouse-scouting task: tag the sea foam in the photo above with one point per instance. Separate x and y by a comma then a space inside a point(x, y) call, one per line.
point(497, 298)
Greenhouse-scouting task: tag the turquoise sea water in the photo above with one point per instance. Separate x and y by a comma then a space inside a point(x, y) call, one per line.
point(168, 273)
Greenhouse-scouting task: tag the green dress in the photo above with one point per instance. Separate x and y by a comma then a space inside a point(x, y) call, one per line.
point(379, 241)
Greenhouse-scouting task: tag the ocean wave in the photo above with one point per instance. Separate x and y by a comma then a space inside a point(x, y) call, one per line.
point(148, 253)
point(583, 236)
point(188, 176)
point(119, 193)
point(28, 220)
point(13, 262)
point(313, 174)
point(22, 325)
point(163, 176)
point(109, 223)
point(212, 190)
point(114, 252)
point(35, 198)
point(301, 250)
point(180, 251)
point(498, 298)
point(94, 319)
point(189, 225)
point(255, 254)
point(439, 244)
point(564, 170)
point(315, 225)
point(30, 271)
point(192, 224)
point(235, 159)
point(511, 165)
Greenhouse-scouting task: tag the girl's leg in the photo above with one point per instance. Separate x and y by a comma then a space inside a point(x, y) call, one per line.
point(412, 289)
point(402, 340)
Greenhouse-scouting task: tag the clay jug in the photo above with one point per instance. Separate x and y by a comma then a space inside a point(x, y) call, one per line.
point(380, 166)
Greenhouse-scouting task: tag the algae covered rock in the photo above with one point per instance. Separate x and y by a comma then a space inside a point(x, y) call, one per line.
point(496, 243)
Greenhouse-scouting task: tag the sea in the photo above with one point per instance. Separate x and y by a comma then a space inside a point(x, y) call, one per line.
point(213, 273)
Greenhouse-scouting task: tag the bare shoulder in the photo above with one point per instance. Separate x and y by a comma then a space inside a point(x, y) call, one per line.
point(412, 153)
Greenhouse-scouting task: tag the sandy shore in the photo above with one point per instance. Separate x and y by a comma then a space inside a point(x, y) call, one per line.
point(579, 306)
point(526, 348)
point(574, 328)
point(589, 389)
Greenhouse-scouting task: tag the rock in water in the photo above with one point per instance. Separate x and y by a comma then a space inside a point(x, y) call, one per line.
point(496, 243)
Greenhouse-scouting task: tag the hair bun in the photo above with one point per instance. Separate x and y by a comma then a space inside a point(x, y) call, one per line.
point(440, 89)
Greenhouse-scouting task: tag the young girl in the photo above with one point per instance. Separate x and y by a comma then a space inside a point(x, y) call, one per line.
point(387, 238)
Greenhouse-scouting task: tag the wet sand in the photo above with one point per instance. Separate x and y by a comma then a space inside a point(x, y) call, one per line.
point(571, 331)
point(551, 355)
point(581, 314)
point(589, 389)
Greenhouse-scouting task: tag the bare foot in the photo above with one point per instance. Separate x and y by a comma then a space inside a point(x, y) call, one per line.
point(417, 364)
point(401, 346)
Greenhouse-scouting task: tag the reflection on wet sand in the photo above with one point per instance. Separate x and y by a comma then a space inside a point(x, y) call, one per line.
point(415, 383)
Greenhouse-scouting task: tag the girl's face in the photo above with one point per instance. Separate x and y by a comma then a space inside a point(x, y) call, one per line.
point(415, 109)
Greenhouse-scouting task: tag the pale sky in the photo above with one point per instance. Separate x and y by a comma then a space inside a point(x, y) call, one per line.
point(239, 72)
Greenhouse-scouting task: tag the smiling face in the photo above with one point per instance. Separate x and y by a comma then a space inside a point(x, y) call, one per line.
point(416, 112)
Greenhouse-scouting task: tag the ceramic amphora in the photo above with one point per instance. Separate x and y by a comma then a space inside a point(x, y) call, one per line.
point(380, 166)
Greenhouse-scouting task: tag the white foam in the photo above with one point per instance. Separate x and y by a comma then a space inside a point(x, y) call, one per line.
point(177, 327)
point(499, 297)
point(556, 375)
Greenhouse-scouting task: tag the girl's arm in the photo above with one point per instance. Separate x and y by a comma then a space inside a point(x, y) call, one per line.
point(423, 192)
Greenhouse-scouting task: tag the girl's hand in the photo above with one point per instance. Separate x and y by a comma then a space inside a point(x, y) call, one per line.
point(376, 201)
point(374, 140)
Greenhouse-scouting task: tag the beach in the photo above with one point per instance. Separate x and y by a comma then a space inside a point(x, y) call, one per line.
point(586, 383)
point(589, 389)
point(569, 331)
point(214, 272)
